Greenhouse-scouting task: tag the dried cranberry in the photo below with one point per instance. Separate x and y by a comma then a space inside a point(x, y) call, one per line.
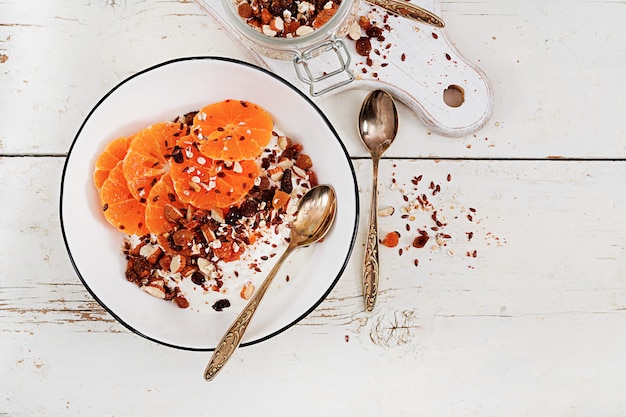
point(420, 241)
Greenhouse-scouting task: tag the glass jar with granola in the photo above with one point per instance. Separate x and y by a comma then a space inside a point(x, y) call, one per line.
point(301, 31)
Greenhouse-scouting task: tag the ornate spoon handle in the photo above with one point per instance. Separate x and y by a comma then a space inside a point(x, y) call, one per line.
point(233, 336)
point(409, 10)
point(370, 270)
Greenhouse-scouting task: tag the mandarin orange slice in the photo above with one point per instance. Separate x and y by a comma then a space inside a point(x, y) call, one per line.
point(232, 130)
point(147, 157)
point(206, 183)
point(120, 208)
point(162, 195)
point(114, 152)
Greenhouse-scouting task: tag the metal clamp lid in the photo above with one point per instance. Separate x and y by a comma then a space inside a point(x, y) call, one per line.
point(305, 72)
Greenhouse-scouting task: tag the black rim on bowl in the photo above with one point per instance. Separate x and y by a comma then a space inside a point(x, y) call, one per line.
point(256, 68)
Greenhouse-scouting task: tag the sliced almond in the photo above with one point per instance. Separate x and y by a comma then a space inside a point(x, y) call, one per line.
point(285, 163)
point(172, 214)
point(354, 32)
point(177, 264)
point(247, 290)
point(284, 142)
point(207, 233)
point(155, 288)
point(206, 266)
point(217, 214)
point(387, 211)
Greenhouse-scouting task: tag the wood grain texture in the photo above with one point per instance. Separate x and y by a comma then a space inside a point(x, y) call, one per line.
point(539, 309)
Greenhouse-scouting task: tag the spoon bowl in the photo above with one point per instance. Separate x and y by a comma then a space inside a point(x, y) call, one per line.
point(314, 217)
point(378, 126)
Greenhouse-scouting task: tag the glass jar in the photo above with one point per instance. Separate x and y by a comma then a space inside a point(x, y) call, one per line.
point(320, 58)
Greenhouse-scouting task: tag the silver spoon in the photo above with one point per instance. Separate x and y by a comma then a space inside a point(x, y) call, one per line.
point(315, 215)
point(378, 125)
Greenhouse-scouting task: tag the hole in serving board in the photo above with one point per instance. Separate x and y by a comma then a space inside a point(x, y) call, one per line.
point(454, 95)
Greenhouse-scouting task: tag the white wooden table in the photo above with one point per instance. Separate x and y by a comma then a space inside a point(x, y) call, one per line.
point(528, 318)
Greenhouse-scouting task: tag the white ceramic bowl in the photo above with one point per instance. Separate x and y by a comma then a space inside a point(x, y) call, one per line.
point(161, 93)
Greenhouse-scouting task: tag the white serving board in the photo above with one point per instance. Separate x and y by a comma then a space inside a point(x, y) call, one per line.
point(417, 62)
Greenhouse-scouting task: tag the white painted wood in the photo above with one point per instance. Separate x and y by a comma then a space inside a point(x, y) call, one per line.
point(555, 70)
point(533, 326)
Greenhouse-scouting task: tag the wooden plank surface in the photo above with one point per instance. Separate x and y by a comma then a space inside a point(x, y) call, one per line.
point(532, 325)
point(556, 71)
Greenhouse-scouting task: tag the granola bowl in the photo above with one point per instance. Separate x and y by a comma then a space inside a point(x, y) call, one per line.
point(98, 250)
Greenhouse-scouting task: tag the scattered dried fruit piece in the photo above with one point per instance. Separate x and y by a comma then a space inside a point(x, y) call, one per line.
point(391, 239)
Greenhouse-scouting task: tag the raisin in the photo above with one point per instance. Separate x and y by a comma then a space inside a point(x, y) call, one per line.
point(233, 216)
point(420, 241)
point(221, 304)
point(363, 46)
point(197, 278)
point(285, 182)
point(249, 208)
point(177, 155)
point(373, 31)
point(181, 301)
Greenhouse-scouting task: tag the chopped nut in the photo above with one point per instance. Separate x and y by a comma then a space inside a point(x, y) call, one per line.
point(207, 233)
point(284, 142)
point(205, 266)
point(267, 30)
point(217, 214)
point(285, 163)
point(387, 211)
point(155, 288)
point(177, 264)
point(298, 171)
point(304, 161)
point(247, 290)
point(304, 30)
point(171, 213)
point(277, 24)
point(276, 174)
point(354, 32)
point(151, 253)
point(184, 238)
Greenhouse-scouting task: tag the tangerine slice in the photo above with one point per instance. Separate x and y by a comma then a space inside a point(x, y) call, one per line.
point(120, 208)
point(161, 194)
point(206, 183)
point(232, 130)
point(110, 156)
point(147, 156)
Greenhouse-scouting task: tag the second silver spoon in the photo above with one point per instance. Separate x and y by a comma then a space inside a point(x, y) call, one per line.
point(378, 126)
